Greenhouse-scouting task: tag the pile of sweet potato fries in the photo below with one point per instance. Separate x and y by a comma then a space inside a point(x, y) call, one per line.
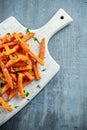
point(18, 65)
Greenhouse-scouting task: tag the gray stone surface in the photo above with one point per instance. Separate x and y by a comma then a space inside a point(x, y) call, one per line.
point(62, 105)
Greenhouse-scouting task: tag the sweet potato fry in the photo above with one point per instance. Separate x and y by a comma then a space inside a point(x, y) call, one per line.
point(12, 93)
point(42, 49)
point(36, 57)
point(15, 91)
point(6, 38)
point(20, 34)
point(13, 61)
point(22, 44)
point(28, 75)
point(10, 51)
point(8, 43)
point(5, 88)
point(29, 59)
point(6, 74)
point(28, 36)
point(23, 68)
point(5, 105)
point(20, 85)
point(36, 71)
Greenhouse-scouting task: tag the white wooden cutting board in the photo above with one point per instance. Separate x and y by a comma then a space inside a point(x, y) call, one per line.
point(58, 21)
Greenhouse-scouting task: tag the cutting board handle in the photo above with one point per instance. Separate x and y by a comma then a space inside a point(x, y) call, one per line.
point(57, 22)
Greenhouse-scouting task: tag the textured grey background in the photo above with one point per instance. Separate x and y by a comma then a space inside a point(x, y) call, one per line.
point(62, 105)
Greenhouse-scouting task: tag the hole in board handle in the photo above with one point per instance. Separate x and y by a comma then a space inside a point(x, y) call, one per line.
point(61, 17)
